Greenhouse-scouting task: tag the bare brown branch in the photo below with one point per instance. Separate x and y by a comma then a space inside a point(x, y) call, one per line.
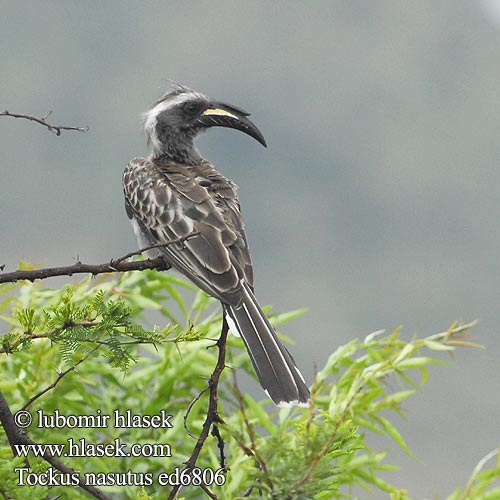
point(190, 407)
point(212, 414)
point(115, 265)
point(209, 493)
point(55, 129)
point(50, 272)
point(60, 376)
point(220, 445)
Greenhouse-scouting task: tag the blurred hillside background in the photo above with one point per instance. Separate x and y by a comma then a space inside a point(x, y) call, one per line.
point(376, 204)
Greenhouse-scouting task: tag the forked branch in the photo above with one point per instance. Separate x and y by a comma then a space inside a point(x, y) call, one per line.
point(55, 129)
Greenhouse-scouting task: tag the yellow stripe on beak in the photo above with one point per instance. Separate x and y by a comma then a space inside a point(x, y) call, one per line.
point(218, 112)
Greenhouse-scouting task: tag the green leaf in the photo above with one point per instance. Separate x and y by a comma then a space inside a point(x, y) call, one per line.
point(394, 434)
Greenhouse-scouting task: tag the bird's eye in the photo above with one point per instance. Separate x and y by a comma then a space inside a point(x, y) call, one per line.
point(191, 108)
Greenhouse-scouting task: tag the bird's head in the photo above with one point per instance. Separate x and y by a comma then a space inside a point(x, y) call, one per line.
point(181, 114)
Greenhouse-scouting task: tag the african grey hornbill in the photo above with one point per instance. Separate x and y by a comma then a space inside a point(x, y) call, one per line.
point(174, 193)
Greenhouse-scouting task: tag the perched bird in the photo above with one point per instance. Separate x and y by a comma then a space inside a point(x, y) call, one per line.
point(175, 193)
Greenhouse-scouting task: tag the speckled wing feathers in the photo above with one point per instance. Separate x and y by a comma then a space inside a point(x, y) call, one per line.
point(171, 201)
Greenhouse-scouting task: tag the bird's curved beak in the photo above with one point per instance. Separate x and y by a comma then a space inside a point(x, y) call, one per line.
point(219, 114)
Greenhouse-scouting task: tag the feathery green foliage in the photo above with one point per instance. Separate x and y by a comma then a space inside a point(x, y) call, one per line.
point(123, 362)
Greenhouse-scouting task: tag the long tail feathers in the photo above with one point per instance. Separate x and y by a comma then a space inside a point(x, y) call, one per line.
point(275, 367)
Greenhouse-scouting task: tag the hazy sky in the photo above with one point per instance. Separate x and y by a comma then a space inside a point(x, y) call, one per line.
point(376, 203)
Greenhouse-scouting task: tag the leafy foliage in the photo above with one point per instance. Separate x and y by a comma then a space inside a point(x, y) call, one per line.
point(122, 362)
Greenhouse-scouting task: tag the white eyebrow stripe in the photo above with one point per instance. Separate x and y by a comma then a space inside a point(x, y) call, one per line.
point(150, 117)
point(174, 101)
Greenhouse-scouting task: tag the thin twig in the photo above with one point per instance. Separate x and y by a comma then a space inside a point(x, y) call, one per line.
point(160, 245)
point(212, 414)
point(312, 399)
point(190, 407)
point(326, 447)
point(213, 496)
point(253, 449)
point(220, 445)
point(114, 265)
point(58, 379)
point(51, 334)
point(55, 129)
